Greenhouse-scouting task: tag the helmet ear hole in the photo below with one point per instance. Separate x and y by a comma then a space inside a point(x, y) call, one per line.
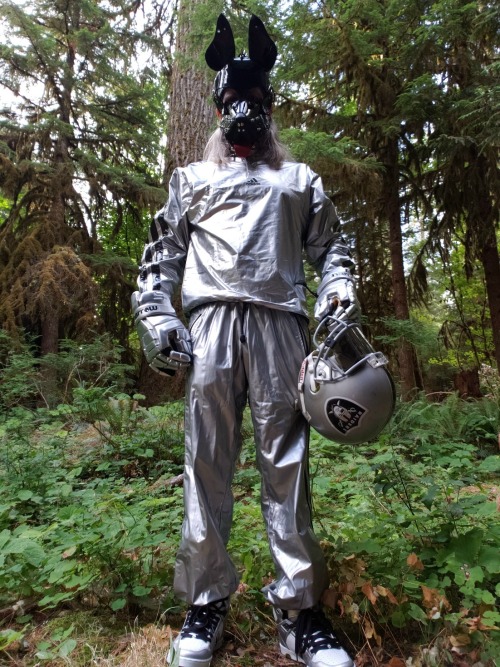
point(314, 386)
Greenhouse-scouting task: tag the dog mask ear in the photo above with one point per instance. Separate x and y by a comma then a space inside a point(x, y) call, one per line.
point(261, 48)
point(222, 49)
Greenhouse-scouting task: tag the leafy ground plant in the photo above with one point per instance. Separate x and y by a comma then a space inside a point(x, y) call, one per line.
point(91, 511)
point(426, 496)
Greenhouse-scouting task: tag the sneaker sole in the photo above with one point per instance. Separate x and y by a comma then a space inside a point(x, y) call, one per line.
point(191, 661)
point(284, 650)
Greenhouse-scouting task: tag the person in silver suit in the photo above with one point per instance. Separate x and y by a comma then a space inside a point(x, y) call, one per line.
point(233, 232)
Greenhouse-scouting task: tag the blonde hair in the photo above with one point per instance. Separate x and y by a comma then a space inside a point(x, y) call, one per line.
point(269, 149)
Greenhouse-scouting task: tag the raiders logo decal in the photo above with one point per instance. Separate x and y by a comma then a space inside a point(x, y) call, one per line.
point(344, 415)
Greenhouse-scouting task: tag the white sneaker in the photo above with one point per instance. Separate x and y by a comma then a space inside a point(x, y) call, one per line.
point(200, 636)
point(307, 637)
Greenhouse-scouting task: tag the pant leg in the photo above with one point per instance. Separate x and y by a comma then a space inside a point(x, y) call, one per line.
point(277, 344)
point(215, 398)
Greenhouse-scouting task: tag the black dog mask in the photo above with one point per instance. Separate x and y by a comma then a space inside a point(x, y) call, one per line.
point(243, 72)
point(243, 121)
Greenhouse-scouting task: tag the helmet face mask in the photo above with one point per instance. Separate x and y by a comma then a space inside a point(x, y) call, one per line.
point(346, 393)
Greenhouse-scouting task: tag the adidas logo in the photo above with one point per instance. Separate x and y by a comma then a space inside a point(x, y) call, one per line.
point(251, 181)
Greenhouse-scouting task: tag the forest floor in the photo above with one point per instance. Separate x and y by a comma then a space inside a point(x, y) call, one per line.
point(101, 639)
point(115, 644)
point(91, 521)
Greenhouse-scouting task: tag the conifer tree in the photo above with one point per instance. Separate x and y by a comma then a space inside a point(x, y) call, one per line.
point(414, 85)
point(464, 140)
point(191, 109)
point(353, 65)
point(191, 117)
point(79, 145)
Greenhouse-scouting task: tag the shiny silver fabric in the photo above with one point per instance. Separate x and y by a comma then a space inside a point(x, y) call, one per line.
point(247, 352)
point(236, 233)
point(235, 236)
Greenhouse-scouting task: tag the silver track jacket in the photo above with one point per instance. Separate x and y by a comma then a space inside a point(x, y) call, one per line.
point(236, 233)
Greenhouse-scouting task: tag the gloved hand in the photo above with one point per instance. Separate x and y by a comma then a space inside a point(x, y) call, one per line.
point(164, 338)
point(338, 291)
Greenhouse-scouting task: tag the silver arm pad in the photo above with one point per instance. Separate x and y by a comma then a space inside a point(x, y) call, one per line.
point(164, 338)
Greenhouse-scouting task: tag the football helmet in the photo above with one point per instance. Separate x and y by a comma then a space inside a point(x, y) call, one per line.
point(346, 392)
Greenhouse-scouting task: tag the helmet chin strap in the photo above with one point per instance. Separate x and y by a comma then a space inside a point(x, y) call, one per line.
point(242, 151)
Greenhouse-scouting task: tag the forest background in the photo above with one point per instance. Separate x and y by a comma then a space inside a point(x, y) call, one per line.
point(396, 103)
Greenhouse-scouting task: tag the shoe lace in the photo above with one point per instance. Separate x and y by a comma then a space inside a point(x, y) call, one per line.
point(201, 621)
point(313, 632)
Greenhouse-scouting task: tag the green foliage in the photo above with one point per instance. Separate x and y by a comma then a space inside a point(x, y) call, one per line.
point(350, 78)
point(91, 512)
point(59, 645)
point(321, 150)
point(95, 364)
point(456, 310)
point(414, 533)
point(80, 162)
point(420, 78)
point(17, 368)
point(78, 517)
point(133, 438)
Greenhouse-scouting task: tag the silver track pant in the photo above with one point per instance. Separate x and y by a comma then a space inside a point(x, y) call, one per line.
point(247, 352)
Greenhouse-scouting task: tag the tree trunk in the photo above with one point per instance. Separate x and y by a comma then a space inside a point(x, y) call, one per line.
point(191, 110)
point(491, 264)
point(467, 383)
point(191, 116)
point(50, 334)
point(49, 344)
point(406, 359)
point(490, 258)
